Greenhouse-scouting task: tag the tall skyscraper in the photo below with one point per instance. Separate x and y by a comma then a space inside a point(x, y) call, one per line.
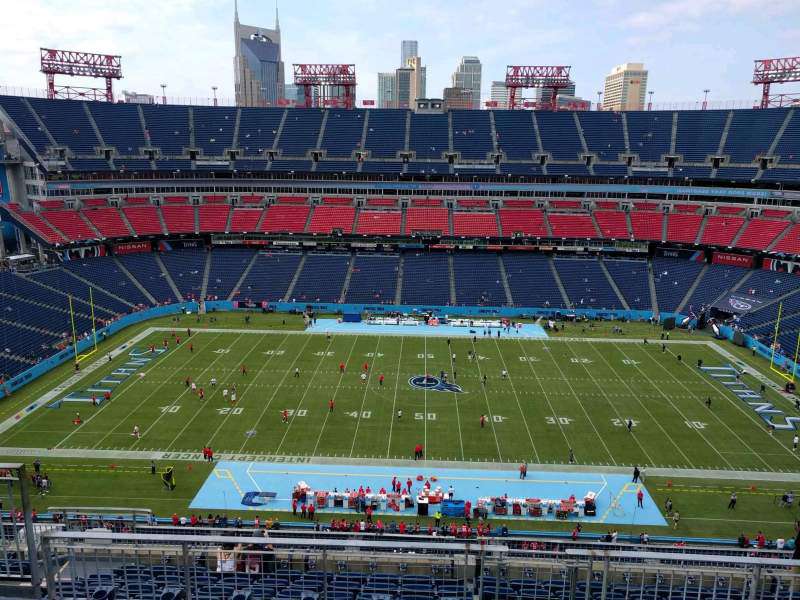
point(402, 88)
point(545, 95)
point(499, 94)
point(257, 64)
point(386, 90)
point(468, 75)
point(417, 83)
point(626, 87)
point(408, 49)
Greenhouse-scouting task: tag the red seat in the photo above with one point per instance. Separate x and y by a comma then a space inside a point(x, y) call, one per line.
point(721, 229)
point(379, 222)
point(285, 218)
point(565, 204)
point(577, 225)
point(427, 219)
point(758, 234)
point(527, 221)
point(143, 219)
point(683, 227)
point(39, 226)
point(790, 242)
point(612, 224)
point(178, 219)
point(647, 225)
point(245, 220)
point(213, 217)
point(474, 223)
point(108, 221)
point(327, 218)
point(70, 223)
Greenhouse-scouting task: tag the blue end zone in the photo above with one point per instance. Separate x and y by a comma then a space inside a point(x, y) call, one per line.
point(527, 330)
point(232, 482)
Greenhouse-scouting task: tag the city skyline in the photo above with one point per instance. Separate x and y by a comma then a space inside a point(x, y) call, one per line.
point(189, 49)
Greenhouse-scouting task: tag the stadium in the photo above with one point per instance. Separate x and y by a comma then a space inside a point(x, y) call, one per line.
point(322, 351)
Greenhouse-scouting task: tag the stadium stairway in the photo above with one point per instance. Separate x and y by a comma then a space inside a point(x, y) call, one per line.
point(562, 290)
point(243, 276)
point(135, 281)
point(295, 278)
point(651, 283)
point(701, 230)
point(398, 294)
point(347, 277)
point(692, 288)
point(504, 280)
point(206, 272)
point(613, 284)
point(167, 276)
point(451, 275)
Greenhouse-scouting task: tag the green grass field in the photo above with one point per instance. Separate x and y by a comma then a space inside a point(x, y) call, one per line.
point(559, 394)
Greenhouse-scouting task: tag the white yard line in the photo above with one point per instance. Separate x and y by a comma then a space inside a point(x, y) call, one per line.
point(364, 397)
point(611, 404)
point(199, 412)
point(643, 405)
point(516, 397)
point(425, 396)
point(583, 408)
point(394, 401)
point(303, 395)
point(275, 392)
point(455, 399)
point(244, 392)
point(699, 432)
point(335, 392)
point(486, 398)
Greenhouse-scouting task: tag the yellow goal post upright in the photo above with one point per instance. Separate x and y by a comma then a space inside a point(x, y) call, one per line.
point(85, 355)
point(787, 375)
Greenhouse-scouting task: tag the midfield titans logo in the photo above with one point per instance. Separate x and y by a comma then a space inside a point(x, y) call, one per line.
point(738, 304)
point(433, 384)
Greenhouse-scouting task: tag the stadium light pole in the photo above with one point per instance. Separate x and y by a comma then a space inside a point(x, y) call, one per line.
point(650, 102)
point(163, 93)
point(705, 98)
point(214, 90)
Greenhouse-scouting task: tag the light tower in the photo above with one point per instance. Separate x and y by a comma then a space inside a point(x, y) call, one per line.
point(553, 78)
point(776, 70)
point(80, 64)
point(336, 83)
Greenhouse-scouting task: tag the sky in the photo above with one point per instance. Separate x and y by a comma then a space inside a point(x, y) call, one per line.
point(687, 45)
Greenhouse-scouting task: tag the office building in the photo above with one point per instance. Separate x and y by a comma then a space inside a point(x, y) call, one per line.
point(468, 76)
point(418, 75)
point(386, 90)
point(402, 88)
point(499, 94)
point(458, 98)
point(408, 49)
point(625, 87)
point(257, 64)
point(544, 96)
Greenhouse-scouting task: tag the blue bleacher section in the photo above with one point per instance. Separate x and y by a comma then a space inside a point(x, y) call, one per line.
point(226, 269)
point(779, 174)
point(716, 279)
point(374, 279)
point(257, 129)
point(426, 279)
point(105, 306)
point(603, 133)
point(586, 284)
point(343, 131)
point(386, 133)
point(428, 136)
point(104, 272)
point(16, 109)
point(168, 127)
point(610, 170)
point(375, 166)
point(133, 164)
point(531, 280)
point(322, 278)
point(149, 274)
point(699, 133)
point(692, 172)
point(300, 131)
point(440, 167)
point(788, 147)
point(559, 135)
point(213, 129)
point(631, 277)
point(478, 280)
point(290, 165)
point(516, 137)
point(269, 278)
point(67, 123)
point(186, 267)
point(521, 169)
point(337, 166)
point(567, 169)
point(746, 173)
point(120, 126)
point(649, 133)
point(174, 164)
point(751, 133)
point(472, 134)
point(89, 164)
point(673, 278)
point(250, 165)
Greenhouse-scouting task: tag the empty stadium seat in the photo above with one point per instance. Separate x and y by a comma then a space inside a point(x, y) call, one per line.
point(326, 219)
point(427, 219)
point(475, 224)
point(379, 222)
point(285, 218)
point(579, 225)
point(107, 221)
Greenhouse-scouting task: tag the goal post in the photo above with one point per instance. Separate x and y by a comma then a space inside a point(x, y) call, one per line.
point(787, 374)
point(83, 356)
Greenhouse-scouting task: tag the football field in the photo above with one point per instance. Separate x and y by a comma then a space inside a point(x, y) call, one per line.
point(558, 394)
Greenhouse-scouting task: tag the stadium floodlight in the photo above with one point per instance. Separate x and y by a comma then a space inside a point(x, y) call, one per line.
point(554, 78)
point(80, 64)
point(776, 70)
point(336, 84)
